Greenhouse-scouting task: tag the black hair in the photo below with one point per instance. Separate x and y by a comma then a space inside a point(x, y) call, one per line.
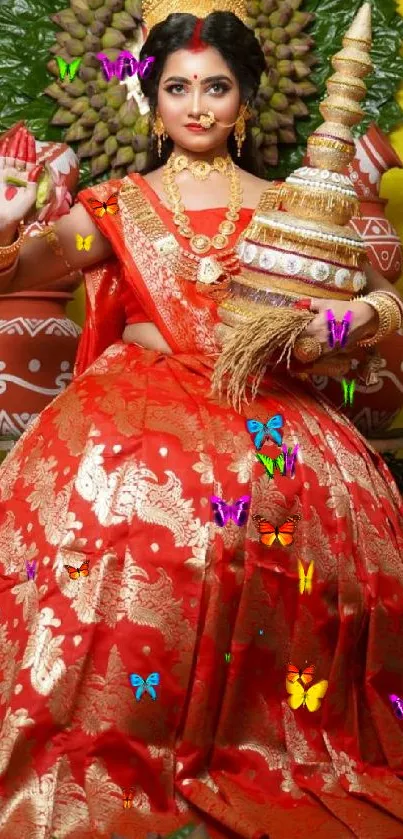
point(241, 51)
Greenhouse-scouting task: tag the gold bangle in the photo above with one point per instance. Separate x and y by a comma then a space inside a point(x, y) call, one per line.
point(389, 315)
point(395, 298)
point(9, 253)
point(53, 241)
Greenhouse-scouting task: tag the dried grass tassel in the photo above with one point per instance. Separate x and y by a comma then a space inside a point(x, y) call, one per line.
point(247, 352)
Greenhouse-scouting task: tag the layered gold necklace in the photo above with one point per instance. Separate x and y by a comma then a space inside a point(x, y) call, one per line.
point(201, 169)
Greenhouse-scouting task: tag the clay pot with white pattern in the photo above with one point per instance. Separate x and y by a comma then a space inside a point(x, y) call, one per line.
point(38, 346)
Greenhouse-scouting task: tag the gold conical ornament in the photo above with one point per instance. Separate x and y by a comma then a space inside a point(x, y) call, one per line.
point(302, 247)
point(154, 11)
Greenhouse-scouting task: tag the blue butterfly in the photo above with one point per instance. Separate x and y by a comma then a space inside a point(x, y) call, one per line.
point(142, 685)
point(268, 430)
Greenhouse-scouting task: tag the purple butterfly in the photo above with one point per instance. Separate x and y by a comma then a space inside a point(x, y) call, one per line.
point(125, 64)
point(223, 512)
point(337, 331)
point(290, 459)
point(31, 569)
point(397, 703)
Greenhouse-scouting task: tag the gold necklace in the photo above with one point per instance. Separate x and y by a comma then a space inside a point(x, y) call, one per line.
point(199, 242)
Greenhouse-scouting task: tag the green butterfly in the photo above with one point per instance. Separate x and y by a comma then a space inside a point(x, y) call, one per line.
point(270, 463)
point(348, 391)
point(70, 69)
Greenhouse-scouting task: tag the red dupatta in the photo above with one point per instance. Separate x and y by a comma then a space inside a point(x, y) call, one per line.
point(143, 237)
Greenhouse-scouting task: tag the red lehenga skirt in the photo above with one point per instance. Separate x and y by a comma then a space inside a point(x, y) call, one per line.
point(145, 649)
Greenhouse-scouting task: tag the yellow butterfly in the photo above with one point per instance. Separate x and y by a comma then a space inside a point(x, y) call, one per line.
point(84, 244)
point(305, 579)
point(309, 698)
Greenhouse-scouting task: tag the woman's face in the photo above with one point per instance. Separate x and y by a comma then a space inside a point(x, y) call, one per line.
point(191, 84)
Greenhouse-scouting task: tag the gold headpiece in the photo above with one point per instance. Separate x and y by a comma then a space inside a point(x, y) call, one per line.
point(154, 11)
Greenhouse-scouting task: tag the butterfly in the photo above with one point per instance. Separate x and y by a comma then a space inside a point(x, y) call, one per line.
point(223, 512)
point(294, 673)
point(128, 796)
point(283, 534)
point(337, 331)
point(305, 577)
point(84, 243)
point(101, 207)
point(290, 459)
point(348, 391)
point(31, 569)
point(75, 573)
point(124, 64)
point(307, 698)
point(397, 703)
point(270, 463)
point(70, 69)
point(269, 429)
point(143, 685)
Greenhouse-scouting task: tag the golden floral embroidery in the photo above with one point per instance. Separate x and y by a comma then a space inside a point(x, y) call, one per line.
point(43, 653)
point(8, 665)
point(14, 551)
point(13, 724)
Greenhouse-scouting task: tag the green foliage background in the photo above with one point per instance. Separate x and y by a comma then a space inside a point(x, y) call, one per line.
point(26, 33)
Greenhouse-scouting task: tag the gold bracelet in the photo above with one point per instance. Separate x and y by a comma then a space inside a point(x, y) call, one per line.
point(52, 239)
point(389, 315)
point(9, 253)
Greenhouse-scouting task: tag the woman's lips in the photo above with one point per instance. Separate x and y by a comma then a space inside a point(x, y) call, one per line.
point(195, 127)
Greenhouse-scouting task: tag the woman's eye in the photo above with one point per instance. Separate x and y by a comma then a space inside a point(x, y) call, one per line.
point(222, 88)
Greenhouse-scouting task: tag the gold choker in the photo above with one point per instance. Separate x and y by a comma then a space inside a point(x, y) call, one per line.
point(200, 169)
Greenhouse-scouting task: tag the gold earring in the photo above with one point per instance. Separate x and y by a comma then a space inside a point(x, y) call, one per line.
point(160, 133)
point(240, 128)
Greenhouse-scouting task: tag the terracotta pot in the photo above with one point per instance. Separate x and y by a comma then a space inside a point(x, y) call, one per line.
point(374, 408)
point(384, 248)
point(373, 157)
point(37, 352)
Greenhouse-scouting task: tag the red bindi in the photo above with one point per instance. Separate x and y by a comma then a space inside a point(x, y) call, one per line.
point(195, 77)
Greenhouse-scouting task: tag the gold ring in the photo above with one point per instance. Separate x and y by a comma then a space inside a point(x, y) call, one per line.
point(307, 350)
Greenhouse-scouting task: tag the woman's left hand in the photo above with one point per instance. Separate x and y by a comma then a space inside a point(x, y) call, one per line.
point(364, 320)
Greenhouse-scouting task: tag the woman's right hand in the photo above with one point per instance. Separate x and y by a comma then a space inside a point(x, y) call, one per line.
point(17, 163)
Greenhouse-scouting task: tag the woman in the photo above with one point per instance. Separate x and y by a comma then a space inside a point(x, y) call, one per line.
point(145, 647)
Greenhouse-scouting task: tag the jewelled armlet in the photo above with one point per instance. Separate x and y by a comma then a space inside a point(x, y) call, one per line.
point(53, 241)
point(389, 314)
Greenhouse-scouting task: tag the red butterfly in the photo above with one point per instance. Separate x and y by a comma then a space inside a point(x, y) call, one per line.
point(75, 573)
point(283, 534)
point(101, 207)
point(294, 673)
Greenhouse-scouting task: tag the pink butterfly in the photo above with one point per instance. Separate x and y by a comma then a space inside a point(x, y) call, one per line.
point(338, 331)
point(31, 569)
point(290, 459)
point(223, 512)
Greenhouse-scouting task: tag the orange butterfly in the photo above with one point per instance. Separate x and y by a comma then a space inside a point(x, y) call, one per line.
point(75, 573)
point(283, 534)
point(294, 673)
point(101, 207)
point(128, 796)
